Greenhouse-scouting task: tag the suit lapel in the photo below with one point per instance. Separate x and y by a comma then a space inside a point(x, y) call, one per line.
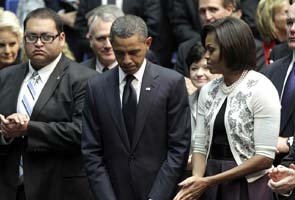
point(148, 92)
point(17, 81)
point(114, 105)
point(50, 86)
point(279, 76)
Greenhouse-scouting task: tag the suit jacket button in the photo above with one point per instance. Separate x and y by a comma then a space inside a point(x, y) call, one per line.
point(131, 158)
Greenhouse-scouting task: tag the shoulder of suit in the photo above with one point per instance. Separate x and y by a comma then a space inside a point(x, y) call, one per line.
point(166, 72)
point(14, 68)
point(278, 63)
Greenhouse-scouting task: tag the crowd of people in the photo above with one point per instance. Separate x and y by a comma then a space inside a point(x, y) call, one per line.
point(147, 100)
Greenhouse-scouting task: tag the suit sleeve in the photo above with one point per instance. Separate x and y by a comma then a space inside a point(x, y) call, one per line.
point(179, 134)
point(62, 131)
point(92, 151)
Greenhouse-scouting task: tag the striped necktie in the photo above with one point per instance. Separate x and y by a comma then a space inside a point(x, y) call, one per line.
point(31, 92)
point(28, 101)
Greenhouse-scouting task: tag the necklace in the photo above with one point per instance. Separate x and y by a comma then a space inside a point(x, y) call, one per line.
point(228, 89)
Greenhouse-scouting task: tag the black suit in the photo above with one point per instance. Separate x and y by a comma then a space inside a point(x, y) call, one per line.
point(52, 160)
point(276, 72)
point(152, 166)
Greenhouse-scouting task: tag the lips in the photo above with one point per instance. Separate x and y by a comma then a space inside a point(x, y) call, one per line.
point(38, 52)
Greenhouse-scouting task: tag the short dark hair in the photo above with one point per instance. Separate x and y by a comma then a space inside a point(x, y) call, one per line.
point(195, 54)
point(236, 42)
point(127, 26)
point(45, 13)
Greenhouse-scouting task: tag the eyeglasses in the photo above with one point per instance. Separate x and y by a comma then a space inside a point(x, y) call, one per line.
point(44, 37)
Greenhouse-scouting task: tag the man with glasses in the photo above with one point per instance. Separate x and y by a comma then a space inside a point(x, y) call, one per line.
point(40, 114)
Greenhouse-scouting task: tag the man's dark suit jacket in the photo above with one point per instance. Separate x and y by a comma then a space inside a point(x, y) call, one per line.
point(152, 166)
point(276, 72)
point(90, 63)
point(185, 47)
point(52, 160)
point(280, 51)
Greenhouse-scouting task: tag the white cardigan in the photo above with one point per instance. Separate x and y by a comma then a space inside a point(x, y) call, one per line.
point(252, 118)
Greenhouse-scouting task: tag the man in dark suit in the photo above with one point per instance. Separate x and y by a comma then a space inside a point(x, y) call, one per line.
point(280, 72)
point(209, 11)
point(136, 122)
point(99, 32)
point(41, 118)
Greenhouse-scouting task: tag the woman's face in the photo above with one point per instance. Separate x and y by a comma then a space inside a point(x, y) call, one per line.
point(200, 74)
point(280, 15)
point(9, 46)
point(215, 64)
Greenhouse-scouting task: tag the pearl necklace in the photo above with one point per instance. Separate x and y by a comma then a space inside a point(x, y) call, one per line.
point(228, 89)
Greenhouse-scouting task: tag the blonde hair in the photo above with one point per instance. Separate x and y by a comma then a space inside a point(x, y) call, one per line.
point(9, 21)
point(265, 18)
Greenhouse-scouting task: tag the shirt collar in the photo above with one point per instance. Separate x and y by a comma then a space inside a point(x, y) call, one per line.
point(138, 75)
point(45, 71)
point(99, 67)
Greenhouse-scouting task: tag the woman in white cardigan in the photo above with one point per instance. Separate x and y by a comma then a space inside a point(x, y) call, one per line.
point(237, 121)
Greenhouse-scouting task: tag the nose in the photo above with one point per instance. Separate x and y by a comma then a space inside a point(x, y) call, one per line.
point(107, 43)
point(39, 42)
point(126, 59)
point(200, 71)
point(206, 56)
point(208, 16)
point(7, 49)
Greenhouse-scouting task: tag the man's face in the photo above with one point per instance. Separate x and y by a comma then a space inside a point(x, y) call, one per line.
point(211, 10)
point(290, 21)
point(130, 52)
point(40, 53)
point(99, 34)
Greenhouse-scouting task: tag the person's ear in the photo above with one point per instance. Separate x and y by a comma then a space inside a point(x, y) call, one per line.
point(148, 42)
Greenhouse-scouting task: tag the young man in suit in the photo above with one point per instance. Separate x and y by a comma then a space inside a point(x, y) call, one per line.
point(136, 122)
point(41, 118)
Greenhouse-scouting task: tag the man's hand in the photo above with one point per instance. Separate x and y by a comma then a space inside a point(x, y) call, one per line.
point(282, 179)
point(14, 125)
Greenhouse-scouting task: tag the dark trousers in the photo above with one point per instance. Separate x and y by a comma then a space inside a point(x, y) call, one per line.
point(20, 195)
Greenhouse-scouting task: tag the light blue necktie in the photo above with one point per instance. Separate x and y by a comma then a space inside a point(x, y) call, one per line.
point(28, 102)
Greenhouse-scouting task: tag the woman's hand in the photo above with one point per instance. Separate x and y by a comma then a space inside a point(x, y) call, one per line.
point(192, 188)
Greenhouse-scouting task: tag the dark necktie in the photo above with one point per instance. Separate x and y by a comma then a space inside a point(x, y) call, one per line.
point(129, 104)
point(105, 69)
point(287, 95)
point(112, 2)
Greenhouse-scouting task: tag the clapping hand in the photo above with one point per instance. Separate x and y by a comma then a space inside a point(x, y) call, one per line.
point(14, 125)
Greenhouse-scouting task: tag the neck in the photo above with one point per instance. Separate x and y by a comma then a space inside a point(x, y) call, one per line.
point(231, 77)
